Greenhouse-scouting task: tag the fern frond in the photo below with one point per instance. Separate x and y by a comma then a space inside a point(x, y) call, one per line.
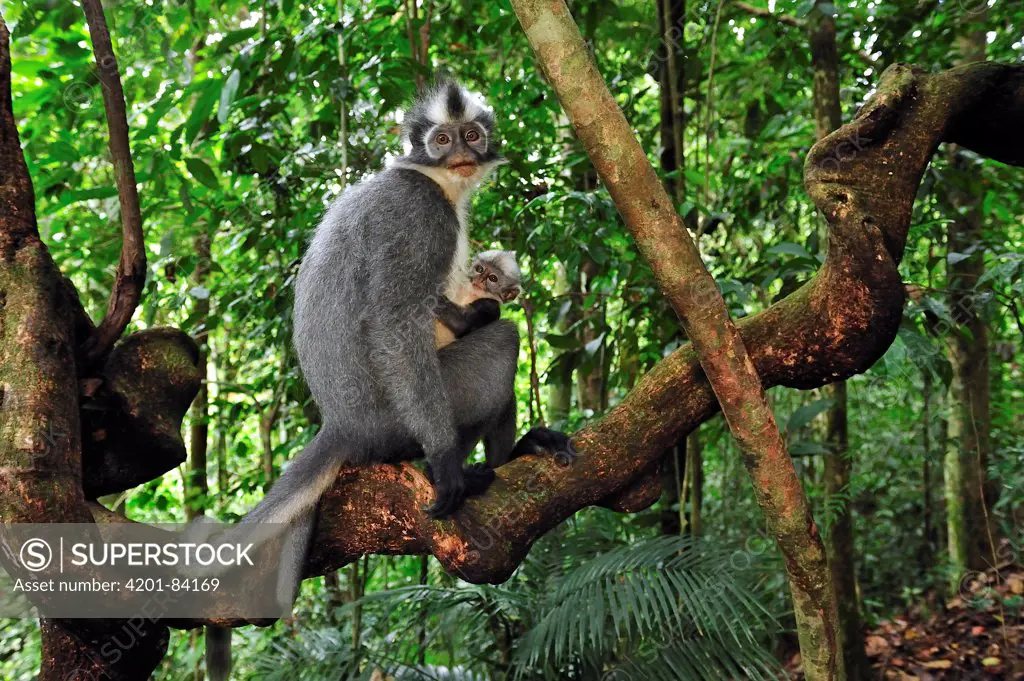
point(668, 589)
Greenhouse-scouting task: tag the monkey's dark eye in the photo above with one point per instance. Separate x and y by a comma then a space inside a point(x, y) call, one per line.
point(479, 269)
point(443, 139)
point(493, 278)
point(472, 136)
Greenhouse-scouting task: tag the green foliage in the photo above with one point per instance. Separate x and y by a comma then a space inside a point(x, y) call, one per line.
point(235, 111)
point(664, 599)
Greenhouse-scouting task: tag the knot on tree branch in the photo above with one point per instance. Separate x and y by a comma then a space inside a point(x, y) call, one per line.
point(131, 414)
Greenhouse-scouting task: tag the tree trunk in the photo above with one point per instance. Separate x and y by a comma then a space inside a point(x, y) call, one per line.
point(968, 445)
point(671, 79)
point(677, 469)
point(560, 373)
point(590, 375)
point(695, 464)
point(930, 535)
point(672, 474)
point(197, 489)
point(421, 658)
point(839, 543)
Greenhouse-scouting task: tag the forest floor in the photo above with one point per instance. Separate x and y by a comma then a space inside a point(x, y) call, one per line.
point(977, 636)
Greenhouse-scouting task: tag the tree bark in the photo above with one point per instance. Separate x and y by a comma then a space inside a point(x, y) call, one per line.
point(561, 370)
point(672, 84)
point(197, 488)
point(590, 373)
point(40, 427)
point(839, 542)
point(131, 268)
point(695, 463)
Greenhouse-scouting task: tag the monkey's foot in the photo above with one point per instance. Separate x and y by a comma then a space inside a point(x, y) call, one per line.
point(479, 477)
point(475, 479)
point(546, 441)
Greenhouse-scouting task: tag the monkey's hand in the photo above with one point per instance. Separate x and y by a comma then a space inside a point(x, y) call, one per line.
point(461, 319)
point(483, 312)
point(546, 441)
point(449, 486)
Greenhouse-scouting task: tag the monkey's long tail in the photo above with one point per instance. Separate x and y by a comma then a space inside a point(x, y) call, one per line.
point(304, 481)
point(292, 500)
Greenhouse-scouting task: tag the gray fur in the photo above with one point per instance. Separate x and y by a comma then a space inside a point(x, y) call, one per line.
point(364, 338)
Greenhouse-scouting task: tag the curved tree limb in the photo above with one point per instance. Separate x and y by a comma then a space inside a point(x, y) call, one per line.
point(863, 177)
point(131, 269)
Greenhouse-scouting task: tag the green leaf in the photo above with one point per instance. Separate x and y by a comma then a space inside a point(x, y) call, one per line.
point(227, 95)
point(202, 172)
point(807, 413)
point(202, 109)
point(67, 198)
point(789, 248)
point(807, 449)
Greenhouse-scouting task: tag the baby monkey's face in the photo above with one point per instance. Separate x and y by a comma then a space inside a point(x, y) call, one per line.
point(493, 281)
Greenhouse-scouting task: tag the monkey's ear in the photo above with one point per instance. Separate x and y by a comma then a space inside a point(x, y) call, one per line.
point(510, 294)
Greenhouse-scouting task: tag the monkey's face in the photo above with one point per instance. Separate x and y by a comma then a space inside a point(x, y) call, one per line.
point(496, 277)
point(448, 127)
point(461, 148)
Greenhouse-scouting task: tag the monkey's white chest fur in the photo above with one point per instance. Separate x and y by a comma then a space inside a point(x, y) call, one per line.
point(459, 270)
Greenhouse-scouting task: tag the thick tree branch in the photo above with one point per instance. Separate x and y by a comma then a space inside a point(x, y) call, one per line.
point(132, 413)
point(131, 269)
point(863, 177)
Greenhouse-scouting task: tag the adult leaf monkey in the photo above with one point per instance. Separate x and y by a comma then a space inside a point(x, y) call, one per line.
point(365, 301)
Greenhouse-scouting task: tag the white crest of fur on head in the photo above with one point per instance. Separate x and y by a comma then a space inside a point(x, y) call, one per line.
point(436, 105)
point(505, 260)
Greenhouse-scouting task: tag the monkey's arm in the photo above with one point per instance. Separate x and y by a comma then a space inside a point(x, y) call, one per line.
point(461, 319)
point(401, 348)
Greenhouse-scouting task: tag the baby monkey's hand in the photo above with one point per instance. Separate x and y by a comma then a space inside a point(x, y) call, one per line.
point(484, 311)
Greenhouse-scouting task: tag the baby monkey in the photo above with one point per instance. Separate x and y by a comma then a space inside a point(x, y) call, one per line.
point(495, 279)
